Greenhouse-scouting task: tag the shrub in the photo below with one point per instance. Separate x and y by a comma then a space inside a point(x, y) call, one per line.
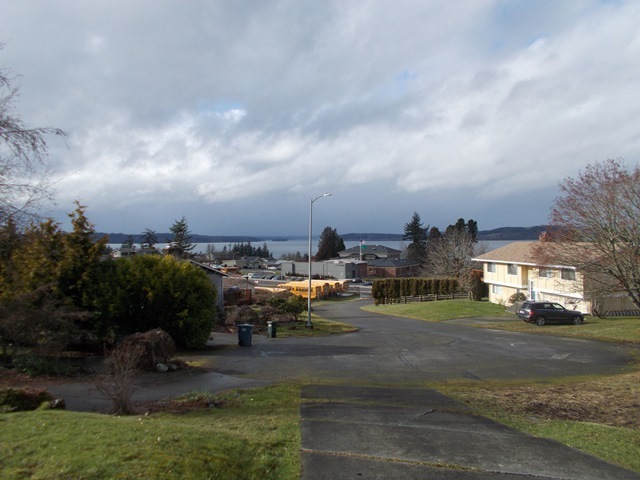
point(294, 306)
point(517, 297)
point(21, 399)
point(118, 385)
point(156, 346)
point(148, 292)
point(34, 365)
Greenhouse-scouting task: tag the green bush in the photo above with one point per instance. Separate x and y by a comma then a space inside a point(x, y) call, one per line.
point(517, 297)
point(21, 399)
point(149, 291)
point(35, 365)
point(391, 290)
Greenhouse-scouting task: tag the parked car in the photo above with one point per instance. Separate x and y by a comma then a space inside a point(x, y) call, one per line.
point(541, 313)
point(251, 275)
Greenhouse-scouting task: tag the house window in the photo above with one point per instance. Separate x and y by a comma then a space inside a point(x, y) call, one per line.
point(568, 274)
point(491, 267)
point(512, 269)
point(546, 273)
point(497, 289)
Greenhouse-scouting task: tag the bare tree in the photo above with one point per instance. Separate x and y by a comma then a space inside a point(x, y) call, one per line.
point(596, 229)
point(24, 172)
point(450, 256)
point(118, 384)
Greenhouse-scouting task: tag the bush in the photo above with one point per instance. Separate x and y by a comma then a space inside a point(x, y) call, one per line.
point(148, 292)
point(22, 399)
point(156, 346)
point(517, 297)
point(118, 385)
point(34, 365)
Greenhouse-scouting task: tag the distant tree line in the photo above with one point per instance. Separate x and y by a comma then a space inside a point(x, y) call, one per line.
point(242, 249)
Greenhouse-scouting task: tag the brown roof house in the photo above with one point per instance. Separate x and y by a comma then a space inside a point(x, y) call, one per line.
point(511, 269)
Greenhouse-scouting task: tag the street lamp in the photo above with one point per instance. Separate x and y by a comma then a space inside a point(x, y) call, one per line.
point(309, 324)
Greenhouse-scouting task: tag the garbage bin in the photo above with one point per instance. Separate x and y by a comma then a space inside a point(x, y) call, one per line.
point(271, 329)
point(244, 335)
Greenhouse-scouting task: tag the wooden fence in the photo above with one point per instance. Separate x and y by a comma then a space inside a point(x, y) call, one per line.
point(428, 298)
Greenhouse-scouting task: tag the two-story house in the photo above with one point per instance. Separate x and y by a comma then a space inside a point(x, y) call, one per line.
point(513, 268)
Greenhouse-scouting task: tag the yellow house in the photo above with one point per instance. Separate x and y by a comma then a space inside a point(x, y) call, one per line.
point(511, 269)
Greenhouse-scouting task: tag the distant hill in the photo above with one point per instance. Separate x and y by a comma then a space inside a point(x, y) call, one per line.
point(502, 233)
point(512, 233)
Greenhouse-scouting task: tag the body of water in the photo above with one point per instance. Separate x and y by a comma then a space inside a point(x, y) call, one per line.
point(278, 249)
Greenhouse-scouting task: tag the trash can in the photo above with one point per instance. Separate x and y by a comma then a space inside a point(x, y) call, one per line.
point(244, 335)
point(271, 329)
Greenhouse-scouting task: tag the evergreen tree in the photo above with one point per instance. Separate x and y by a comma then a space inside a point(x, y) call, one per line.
point(472, 228)
point(181, 245)
point(329, 245)
point(417, 234)
point(149, 238)
point(129, 242)
point(81, 255)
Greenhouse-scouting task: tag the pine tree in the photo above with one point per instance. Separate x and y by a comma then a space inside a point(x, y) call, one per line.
point(181, 245)
point(329, 245)
point(149, 238)
point(417, 234)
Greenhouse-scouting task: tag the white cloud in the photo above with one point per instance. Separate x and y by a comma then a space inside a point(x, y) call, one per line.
point(216, 103)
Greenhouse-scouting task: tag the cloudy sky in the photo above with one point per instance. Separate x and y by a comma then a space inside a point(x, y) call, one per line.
point(236, 113)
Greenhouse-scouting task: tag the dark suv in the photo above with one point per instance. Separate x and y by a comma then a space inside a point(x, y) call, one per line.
point(543, 312)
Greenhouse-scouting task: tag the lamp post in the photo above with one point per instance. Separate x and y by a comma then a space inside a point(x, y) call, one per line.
point(309, 324)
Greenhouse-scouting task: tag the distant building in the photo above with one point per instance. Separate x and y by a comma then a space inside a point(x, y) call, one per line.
point(338, 269)
point(370, 252)
point(393, 268)
point(216, 278)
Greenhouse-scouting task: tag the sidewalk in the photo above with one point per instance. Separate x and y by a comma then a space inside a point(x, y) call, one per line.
point(380, 433)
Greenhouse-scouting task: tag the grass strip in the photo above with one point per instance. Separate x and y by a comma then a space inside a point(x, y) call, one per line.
point(597, 415)
point(440, 310)
point(255, 434)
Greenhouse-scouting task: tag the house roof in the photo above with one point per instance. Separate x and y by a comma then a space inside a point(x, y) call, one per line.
point(525, 253)
point(516, 252)
point(207, 268)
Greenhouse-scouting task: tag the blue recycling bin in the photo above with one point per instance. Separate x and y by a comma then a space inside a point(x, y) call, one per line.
point(245, 332)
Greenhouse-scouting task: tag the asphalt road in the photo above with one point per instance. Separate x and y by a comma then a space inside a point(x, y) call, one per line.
point(394, 351)
point(367, 411)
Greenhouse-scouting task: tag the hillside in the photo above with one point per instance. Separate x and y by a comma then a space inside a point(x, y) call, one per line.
point(512, 233)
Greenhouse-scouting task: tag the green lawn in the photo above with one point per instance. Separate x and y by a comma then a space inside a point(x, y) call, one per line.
point(440, 310)
point(255, 435)
point(614, 329)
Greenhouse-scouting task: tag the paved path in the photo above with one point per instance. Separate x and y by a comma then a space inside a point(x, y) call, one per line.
point(353, 428)
point(396, 351)
point(372, 433)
